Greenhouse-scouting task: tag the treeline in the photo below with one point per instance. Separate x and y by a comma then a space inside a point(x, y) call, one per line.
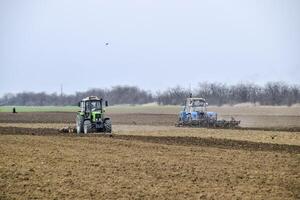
point(273, 93)
point(115, 95)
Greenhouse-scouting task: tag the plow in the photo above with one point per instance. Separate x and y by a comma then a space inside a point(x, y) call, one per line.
point(195, 114)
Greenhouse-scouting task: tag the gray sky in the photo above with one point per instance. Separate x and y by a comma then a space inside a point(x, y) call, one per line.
point(152, 44)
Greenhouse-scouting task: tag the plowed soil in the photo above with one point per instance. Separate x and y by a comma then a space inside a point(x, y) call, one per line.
point(258, 136)
point(55, 167)
point(146, 158)
point(253, 121)
point(170, 140)
point(68, 117)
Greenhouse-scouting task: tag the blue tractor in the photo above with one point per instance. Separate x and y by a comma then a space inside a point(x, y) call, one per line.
point(195, 114)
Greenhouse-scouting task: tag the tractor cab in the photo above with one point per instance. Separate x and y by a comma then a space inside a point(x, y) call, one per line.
point(91, 104)
point(195, 105)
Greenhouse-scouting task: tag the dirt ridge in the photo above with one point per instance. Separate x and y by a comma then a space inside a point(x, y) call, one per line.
point(213, 142)
point(169, 140)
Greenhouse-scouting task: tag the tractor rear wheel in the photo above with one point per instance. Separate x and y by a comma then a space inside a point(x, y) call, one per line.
point(87, 126)
point(107, 126)
point(79, 124)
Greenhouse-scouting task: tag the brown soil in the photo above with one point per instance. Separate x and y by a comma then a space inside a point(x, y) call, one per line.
point(55, 167)
point(38, 117)
point(68, 117)
point(145, 161)
point(252, 121)
point(170, 140)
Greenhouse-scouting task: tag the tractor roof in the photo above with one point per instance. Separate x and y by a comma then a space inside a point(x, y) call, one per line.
point(196, 99)
point(90, 98)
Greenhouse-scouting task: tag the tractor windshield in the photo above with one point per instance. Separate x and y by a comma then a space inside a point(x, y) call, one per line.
point(198, 105)
point(93, 105)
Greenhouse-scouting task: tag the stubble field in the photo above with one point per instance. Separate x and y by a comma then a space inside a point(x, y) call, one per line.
point(149, 158)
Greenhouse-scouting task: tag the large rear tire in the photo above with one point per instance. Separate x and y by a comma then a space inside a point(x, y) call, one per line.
point(79, 124)
point(87, 126)
point(107, 126)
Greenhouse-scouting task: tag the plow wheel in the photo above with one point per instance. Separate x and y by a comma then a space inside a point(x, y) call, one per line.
point(79, 124)
point(87, 126)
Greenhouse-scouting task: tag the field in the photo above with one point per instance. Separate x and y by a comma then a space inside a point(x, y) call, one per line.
point(250, 116)
point(148, 158)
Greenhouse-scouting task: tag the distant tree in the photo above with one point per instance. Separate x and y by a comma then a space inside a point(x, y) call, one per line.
point(172, 96)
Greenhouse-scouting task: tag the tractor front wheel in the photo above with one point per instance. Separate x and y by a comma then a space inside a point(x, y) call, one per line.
point(87, 126)
point(107, 126)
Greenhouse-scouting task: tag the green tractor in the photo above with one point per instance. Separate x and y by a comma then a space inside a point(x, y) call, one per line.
point(91, 116)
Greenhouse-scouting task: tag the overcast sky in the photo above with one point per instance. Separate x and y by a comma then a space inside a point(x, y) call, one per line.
point(153, 44)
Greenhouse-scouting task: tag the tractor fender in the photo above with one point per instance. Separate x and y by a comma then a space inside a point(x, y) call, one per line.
point(106, 118)
point(183, 116)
